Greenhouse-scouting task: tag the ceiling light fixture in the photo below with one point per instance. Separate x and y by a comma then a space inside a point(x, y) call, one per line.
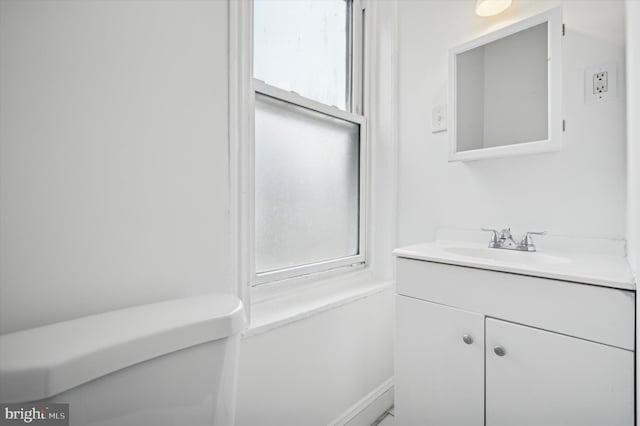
point(491, 7)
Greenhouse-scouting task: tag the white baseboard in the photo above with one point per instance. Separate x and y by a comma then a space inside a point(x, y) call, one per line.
point(368, 409)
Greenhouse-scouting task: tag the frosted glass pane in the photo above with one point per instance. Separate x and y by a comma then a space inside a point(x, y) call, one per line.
point(301, 45)
point(306, 186)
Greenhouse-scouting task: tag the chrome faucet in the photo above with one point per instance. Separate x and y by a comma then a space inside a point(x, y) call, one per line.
point(504, 240)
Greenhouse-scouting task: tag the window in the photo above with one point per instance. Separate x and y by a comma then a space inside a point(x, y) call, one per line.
point(309, 141)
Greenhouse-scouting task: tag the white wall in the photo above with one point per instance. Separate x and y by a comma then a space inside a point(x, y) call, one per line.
point(633, 152)
point(113, 165)
point(383, 143)
point(578, 191)
point(633, 134)
point(311, 371)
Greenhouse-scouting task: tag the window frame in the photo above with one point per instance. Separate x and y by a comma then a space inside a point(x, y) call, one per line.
point(354, 114)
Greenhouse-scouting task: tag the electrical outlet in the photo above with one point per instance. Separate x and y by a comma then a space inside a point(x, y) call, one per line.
point(600, 83)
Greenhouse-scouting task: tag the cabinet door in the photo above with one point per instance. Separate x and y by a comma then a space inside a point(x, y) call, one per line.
point(544, 378)
point(439, 379)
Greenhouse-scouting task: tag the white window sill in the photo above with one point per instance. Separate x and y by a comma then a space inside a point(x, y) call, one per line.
point(298, 304)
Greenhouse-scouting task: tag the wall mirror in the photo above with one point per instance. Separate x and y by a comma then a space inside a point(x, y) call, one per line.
point(505, 91)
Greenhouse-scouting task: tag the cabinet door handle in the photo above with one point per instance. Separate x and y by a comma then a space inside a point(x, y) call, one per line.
point(467, 339)
point(499, 350)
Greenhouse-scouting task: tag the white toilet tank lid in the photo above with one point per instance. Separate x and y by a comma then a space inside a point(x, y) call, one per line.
point(41, 362)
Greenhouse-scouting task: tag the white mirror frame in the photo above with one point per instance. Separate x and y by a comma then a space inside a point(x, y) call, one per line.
point(554, 119)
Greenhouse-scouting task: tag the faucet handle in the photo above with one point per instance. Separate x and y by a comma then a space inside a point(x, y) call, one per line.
point(527, 241)
point(494, 237)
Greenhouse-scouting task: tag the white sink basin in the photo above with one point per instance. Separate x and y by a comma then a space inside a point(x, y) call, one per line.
point(512, 256)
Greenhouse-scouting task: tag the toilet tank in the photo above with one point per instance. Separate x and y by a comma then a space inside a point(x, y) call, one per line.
point(167, 363)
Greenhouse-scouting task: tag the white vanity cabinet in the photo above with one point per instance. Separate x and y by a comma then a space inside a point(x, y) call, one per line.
point(428, 337)
point(480, 347)
point(545, 378)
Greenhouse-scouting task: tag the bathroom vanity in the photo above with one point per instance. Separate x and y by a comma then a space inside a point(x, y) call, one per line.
point(499, 338)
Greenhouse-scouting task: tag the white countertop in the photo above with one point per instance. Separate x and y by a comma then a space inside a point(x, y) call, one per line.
point(608, 269)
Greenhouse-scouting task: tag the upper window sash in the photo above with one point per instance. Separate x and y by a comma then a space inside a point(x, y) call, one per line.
point(356, 48)
point(316, 40)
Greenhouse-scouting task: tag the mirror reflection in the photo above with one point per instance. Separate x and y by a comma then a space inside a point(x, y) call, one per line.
point(502, 91)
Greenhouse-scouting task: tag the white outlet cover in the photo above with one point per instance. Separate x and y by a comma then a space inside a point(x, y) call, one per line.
point(612, 88)
point(439, 119)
